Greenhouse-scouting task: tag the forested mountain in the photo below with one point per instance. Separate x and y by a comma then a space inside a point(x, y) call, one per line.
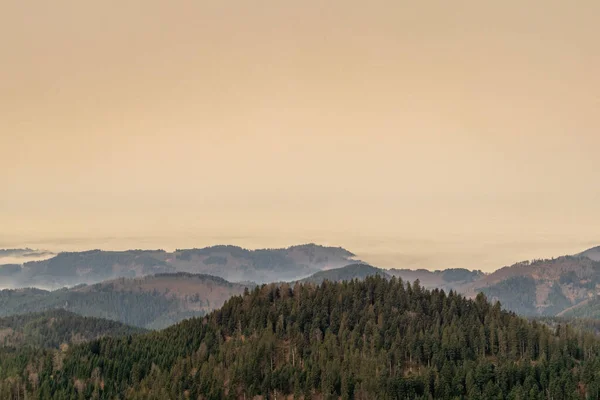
point(229, 262)
point(536, 288)
point(541, 287)
point(453, 278)
point(368, 339)
point(152, 302)
point(57, 327)
point(589, 309)
point(264, 265)
point(347, 273)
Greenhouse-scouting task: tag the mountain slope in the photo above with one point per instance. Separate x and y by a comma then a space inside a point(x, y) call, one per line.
point(347, 273)
point(366, 339)
point(593, 253)
point(541, 287)
point(152, 302)
point(58, 327)
point(454, 278)
point(263, 265)
point(589, 309)
point(229, 262)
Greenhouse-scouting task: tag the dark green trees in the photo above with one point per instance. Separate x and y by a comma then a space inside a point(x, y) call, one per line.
point(371, 339)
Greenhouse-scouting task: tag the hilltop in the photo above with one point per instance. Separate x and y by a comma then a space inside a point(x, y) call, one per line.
point(368, 339)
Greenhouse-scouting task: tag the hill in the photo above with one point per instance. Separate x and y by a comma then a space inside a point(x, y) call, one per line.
point(541, 287)
point(264, 265)
point(453, 278)
point(57, 327)
point(368, 339)
point(593, 253)
point(232, 263)
point(588, 309)
point(152, 302)
point(347, 273)
point(73, 268)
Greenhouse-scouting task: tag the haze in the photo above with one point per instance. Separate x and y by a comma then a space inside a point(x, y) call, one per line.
point(437, 134)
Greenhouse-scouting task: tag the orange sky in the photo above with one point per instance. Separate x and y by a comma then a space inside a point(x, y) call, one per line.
point(284, 118)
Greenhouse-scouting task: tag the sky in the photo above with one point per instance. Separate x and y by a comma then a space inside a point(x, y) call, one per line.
point(430, 134)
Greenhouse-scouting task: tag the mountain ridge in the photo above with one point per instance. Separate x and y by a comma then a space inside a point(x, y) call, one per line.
point(373, 338)
point(232, 263)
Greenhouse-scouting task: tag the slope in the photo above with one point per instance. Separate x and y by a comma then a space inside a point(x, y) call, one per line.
point(57, 327)
point(375, 338)
point(152, 302)
point(228, 262)
point(541, 287)
point(347, 273)
point(593, 253)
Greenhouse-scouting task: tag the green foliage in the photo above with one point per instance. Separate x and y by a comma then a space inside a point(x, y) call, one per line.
point(53, 328)
point(368, 339)
point(151, 310)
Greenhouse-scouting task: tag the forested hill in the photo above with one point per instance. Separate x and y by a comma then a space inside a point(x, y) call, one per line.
point(593, 253)
point(152, 302)
point(57, 327)
point(347, 273)
point(371, 339)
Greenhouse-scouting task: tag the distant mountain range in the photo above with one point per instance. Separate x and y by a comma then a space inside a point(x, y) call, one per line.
point(566, 286)
point(232, 263)
point(154, 289)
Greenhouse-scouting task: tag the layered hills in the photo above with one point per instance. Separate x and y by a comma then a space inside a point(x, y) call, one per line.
point(375, 338)
point(232, 263)
point(151, 302)
point(147, 288)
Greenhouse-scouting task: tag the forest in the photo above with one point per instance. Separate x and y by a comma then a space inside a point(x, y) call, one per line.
point(376, 338)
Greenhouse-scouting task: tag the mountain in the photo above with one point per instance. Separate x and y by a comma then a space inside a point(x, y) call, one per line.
point(264, 265)
point(371, 339)
point(347, 273)
point(541, 287)
point(151, 302)
point(68, 269)
point(587, 309)
point(58, 328)
point(228, 262)
point(453, 278)
point(593, 253)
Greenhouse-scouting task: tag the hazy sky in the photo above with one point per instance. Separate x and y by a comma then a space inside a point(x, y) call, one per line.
point(422, 120)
